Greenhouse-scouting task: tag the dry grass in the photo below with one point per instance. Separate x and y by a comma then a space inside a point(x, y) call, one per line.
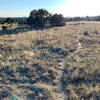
point(81, 80)
point(28, 60)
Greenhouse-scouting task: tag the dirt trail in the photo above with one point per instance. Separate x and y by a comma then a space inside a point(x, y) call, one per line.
point(79, 45)
point(60, 95)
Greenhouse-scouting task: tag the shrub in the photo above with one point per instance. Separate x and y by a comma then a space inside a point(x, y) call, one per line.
point(22, 20)
point(38, 18)
point(86, 33)
point(2, 20)
point(9, 20)
point(41, 18)
point(57, 20)
point(4, 28)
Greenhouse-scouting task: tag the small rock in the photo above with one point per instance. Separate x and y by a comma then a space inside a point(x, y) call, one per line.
point(0, 56)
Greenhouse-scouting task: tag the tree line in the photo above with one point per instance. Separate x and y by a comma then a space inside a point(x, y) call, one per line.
point(87, 18)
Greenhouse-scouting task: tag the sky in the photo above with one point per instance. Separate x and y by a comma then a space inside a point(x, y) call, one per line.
point(69, 8)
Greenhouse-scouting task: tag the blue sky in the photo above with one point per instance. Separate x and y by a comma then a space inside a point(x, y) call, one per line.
point(69, 8)
point(23, 7)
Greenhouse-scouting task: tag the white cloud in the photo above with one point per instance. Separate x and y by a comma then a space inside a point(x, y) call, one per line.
point(80, 8)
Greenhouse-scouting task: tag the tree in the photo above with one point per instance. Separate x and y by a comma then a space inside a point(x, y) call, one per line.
point(57, 20)
point(9, 20)
point(98, 19)
point(77, 19)
point(38, 18)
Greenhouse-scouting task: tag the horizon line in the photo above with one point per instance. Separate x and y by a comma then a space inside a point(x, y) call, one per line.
point(62, 14)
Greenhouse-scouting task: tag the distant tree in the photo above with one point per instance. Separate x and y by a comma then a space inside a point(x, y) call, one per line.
point(57, 20)
point(88, 18)
point(98, 19)
point(22, 21)
point(77, 19)
point(2, 20)
point(4, 28)
point(9, 20)
point(38, 18)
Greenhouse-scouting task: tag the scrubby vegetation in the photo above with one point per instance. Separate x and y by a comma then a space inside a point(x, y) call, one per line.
point(30, 62)
point(56, 63)
point(57, 20)
point(9, 20)
point(41, 18)
point(38, 18)
point(81, 78)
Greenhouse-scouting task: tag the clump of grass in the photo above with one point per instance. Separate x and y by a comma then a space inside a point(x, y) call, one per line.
point(28, 62)
point(86, 33)
point(39, 94)
point(96, 32)
point(13, 97)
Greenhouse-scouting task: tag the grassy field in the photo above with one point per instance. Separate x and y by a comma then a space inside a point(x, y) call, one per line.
point(60, 63)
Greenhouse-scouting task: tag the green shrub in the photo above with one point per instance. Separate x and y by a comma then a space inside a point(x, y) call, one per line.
point(9, 20)
point(57, 20)
point(38, 18)
point(4, 28)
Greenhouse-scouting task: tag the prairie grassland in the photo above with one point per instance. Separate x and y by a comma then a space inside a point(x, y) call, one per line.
point(30, 63)
point(81, 79)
